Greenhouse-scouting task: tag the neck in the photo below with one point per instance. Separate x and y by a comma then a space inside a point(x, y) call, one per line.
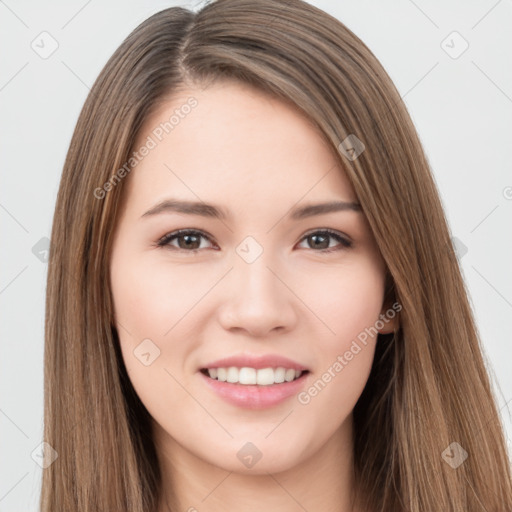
point(324, 481)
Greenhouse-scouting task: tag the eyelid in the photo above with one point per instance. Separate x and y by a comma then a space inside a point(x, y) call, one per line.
point(342, 239)
point(164, 241)
point(326, 230)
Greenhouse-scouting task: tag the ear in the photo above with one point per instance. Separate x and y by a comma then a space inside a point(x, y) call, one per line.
point(389, 318)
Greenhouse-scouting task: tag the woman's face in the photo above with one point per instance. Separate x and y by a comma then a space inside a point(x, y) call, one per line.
point(253, 276)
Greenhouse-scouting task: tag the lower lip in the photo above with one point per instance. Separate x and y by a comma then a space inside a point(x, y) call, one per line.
point(253, 396)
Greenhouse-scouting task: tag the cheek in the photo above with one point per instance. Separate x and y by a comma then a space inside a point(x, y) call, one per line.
point(348, 302)
point(346, 299)
point(151, 302)
point(152, 298)
point(157, 300)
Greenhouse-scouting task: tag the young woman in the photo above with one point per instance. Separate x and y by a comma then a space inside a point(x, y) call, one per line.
point(253, 301)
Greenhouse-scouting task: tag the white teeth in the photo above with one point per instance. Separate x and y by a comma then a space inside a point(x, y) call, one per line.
point(279, 374)
point(248, 376)
point(265, 377)
point(232, 374)
point(289, 375)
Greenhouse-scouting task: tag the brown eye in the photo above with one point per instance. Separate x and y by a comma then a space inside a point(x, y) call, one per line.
point(187, 240)
point(321, 240)
point(191, 241)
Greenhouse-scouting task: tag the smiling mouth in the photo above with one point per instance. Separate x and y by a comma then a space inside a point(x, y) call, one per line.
point(252, 376)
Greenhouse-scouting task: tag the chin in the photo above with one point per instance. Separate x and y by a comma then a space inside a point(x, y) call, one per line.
point(261, 467)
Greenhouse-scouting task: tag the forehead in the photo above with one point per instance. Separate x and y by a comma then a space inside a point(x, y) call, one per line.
point(235, 145)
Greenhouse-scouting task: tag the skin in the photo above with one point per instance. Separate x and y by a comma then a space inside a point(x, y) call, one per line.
point(257, 158)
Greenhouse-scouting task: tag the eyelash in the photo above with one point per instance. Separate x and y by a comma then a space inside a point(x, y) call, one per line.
point(169, 237)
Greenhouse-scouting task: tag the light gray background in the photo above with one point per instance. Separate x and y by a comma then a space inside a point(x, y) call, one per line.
point(462, 109)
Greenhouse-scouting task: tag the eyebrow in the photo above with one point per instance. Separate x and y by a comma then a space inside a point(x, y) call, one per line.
point(212, 211)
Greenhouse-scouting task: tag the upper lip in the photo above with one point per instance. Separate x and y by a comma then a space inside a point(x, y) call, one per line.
point(257, 362)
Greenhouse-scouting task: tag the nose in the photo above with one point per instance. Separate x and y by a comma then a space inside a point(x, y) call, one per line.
point(257, 299)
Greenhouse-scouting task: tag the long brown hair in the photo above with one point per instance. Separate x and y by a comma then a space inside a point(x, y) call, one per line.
point(428, 387)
